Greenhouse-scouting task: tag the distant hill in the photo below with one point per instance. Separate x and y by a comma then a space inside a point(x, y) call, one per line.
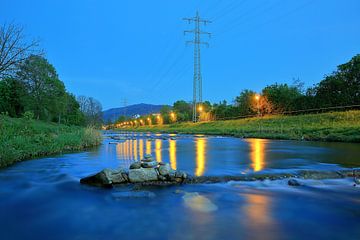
point(141, 109)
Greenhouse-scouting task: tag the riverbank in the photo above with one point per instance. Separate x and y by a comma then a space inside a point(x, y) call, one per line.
point(23, 139)
point(333, 126)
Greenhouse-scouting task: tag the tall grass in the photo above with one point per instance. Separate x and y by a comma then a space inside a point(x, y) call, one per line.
point(22, 139)
point(334, 126)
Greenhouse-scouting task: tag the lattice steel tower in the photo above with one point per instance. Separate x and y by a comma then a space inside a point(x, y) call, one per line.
point(197, 84)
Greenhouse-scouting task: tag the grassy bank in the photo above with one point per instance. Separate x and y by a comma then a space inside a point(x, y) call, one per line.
point(334, 126)
point(22, 139)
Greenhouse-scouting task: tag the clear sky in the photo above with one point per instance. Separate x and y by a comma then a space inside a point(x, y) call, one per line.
point(135, 49)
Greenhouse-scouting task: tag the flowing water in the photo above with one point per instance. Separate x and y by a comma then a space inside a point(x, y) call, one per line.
point(42, 199)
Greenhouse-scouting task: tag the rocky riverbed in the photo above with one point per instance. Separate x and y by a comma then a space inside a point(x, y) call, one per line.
point(152, 173)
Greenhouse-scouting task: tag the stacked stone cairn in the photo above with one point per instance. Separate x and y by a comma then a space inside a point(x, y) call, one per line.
point(146, 171)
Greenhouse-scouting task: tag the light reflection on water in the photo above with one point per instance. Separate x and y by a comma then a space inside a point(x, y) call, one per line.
point(257, 153)
point(130, 149)
point(172, 153)
point(158, 148)
point(202, 155)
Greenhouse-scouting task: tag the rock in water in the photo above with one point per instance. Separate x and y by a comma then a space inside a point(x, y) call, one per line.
point(293, 182)
point(149, 164)
point(106, 178)
point(165, 170)
point(148, 156)
point(135, 165)
point(357, 181)
point(118, 176)
point(143, 175)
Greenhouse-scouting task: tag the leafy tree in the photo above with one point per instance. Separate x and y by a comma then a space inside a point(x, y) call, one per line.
point(73, 115)
point(12, 97)
point(282, 97)
point(183, 110)
point(46, 93)
point(245, 103)
point(165, 113)
point(342, 87)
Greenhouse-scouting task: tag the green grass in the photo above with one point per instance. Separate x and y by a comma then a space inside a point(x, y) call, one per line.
point(333, 126)
point(22, 139)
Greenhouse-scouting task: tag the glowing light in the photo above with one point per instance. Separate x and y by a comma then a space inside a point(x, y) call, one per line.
point(200, 156)
point(173, 116)
point(200, 108)
point(172, 152)
point(257, 97)
point(159, 119)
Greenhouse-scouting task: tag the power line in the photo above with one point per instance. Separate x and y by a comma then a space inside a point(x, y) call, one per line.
point(197, 81)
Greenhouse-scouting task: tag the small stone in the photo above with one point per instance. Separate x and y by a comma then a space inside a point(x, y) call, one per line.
point(149, 164)
point(135, 165)
point(357, 181)
point(293, 182)
point(165, 170)
point(180, 174)
point(162, 163)
point(148, 156)
point(162, 178)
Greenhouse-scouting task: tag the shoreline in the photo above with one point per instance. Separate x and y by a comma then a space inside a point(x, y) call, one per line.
point(24, 140)
point(322, 127)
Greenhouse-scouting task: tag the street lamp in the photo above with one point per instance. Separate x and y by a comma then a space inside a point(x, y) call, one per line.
point(173, 117)
point(257, 98)
point(158, 117)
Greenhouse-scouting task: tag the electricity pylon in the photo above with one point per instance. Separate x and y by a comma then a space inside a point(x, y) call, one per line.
point(197, 84)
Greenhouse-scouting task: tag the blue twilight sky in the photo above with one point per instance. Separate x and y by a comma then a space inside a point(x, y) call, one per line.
point(134, 49)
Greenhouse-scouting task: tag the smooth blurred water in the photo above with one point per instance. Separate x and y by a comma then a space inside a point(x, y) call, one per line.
point(42, 199)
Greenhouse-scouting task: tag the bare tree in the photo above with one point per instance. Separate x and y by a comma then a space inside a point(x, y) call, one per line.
point(14, 48)
point(92, 109)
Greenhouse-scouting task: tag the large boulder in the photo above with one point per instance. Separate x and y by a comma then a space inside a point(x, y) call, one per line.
point(118, 176)
point(143, 175)
point(106, 178)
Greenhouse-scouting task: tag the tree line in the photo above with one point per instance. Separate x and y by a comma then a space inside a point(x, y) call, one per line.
point(30, 85)
point(340, 88)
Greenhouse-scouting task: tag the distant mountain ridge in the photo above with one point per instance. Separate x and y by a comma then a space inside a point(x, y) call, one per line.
point(142, 109)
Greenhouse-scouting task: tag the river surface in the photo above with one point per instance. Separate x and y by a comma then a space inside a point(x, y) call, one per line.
point(42, 198)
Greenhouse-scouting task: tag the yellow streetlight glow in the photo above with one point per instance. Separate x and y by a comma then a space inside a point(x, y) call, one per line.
point(257, 97)
point(200, 108)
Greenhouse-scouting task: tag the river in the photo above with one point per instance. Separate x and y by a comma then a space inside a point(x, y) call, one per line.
point(42, 198)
